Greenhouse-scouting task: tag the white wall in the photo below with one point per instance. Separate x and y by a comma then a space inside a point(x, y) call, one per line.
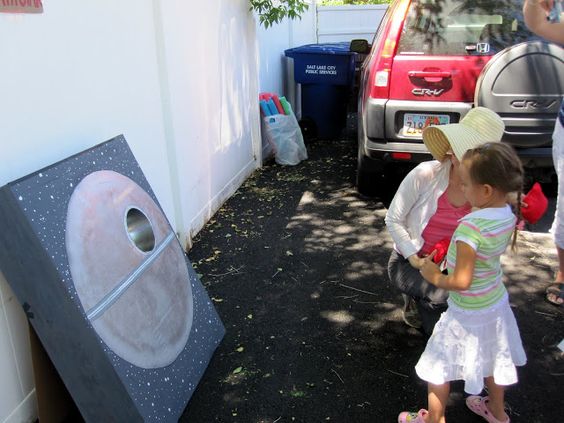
point(345, 23)
point(275, 70)
point(274, 40)
point(179, 81)
point(212, 93)
point(271, 45)
point(319, 24)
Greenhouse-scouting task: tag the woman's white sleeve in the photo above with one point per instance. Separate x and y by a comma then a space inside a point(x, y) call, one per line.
point(400, 207)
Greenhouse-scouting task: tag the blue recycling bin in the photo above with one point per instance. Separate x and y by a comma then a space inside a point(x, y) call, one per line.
point(326, 74)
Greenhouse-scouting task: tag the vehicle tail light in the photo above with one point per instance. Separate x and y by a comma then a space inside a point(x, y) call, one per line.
point(384, 51)
point(401, 156)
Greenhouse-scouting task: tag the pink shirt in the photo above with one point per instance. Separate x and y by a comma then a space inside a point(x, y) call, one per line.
point(442, 224)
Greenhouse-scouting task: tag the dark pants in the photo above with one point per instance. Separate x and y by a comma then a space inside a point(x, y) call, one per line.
point(430, 300)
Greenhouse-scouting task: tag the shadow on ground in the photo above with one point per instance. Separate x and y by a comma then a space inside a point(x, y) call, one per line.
point(295, 263)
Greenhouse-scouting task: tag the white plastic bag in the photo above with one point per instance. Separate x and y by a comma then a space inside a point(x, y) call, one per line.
point(285, 137)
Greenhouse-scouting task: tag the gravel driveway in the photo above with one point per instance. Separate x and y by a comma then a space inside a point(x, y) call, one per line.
point(295, 263)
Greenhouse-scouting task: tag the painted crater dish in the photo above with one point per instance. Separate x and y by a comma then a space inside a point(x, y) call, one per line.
point(129, 272)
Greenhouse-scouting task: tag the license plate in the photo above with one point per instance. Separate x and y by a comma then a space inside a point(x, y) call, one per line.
point(414, 123)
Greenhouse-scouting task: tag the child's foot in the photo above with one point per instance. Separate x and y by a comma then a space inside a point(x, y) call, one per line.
point(479, 405)
point(412, 417)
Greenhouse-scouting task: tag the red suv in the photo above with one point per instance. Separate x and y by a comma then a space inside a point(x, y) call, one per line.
point(433, 60)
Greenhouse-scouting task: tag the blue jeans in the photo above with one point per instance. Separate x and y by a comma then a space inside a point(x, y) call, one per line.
point(430, 300)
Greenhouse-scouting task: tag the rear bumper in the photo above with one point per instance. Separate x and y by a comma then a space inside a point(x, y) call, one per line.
point(382, 120)
point(381, 150)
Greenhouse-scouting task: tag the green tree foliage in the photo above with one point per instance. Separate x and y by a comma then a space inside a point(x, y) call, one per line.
point(274, 11)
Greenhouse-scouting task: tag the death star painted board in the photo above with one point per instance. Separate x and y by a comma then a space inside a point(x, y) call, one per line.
point(107, 287)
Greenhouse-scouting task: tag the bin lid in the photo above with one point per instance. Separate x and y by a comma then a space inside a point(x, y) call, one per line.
point(341, 48)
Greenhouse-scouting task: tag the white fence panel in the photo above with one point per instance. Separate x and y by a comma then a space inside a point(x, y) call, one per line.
point(346, 23)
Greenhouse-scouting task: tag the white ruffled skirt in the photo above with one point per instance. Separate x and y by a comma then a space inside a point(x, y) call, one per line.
point(470, 345)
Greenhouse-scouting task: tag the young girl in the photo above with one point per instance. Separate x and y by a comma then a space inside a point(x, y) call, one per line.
point(477, 338)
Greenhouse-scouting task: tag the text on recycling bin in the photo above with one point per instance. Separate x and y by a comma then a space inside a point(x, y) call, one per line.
point(321, 70)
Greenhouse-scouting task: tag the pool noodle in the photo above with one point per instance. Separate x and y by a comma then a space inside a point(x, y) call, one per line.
point(278, 105)
point(272, 107)
point(265, 96)
point(286, 105)
point(264, 108)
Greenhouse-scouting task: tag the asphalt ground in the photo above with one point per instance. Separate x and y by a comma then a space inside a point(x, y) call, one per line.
point(295, 263)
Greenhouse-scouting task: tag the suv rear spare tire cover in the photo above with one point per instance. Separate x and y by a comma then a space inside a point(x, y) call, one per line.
point(524, 84)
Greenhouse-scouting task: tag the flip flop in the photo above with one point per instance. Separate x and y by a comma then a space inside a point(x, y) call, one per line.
point(478, 405)
point(411, 417)
point(557, 290)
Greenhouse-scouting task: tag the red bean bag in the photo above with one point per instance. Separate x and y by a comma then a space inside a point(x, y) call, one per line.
point(442, 248)
point(537, 204)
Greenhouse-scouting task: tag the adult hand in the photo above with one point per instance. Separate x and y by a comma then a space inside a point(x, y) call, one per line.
point(429, 270)
point(511, 198)
point(546, 5)
point(535, 13)
point(415, 261)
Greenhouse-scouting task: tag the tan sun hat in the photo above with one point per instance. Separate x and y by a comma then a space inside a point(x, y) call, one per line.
point(479, 126)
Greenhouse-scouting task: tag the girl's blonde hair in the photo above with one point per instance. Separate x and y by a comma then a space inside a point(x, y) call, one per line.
point(497, 164)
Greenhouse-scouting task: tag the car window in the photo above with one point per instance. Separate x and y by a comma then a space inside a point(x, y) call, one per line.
point(462, 27)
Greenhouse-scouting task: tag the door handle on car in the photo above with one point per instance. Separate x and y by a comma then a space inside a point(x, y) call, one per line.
point(430, 76)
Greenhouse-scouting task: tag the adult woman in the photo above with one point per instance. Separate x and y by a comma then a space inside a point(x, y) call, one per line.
point(535, 13)
point(426, 209)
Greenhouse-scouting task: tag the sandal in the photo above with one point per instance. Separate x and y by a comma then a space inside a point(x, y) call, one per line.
point(478, 405)
point(555, 293)
point(412, 417)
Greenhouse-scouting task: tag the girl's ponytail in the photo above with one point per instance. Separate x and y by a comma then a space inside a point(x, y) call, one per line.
point(519, 219)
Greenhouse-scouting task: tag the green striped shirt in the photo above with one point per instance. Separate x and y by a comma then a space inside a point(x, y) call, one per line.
point(488, 231)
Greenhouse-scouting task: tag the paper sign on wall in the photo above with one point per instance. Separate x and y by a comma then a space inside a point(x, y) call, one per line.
point(21, 6)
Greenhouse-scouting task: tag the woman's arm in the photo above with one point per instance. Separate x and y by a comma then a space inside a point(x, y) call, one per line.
point(396, 218)
point(535, 13)
point(461, 278)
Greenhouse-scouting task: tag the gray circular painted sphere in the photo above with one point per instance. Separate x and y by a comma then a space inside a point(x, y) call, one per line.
point(114, 231)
